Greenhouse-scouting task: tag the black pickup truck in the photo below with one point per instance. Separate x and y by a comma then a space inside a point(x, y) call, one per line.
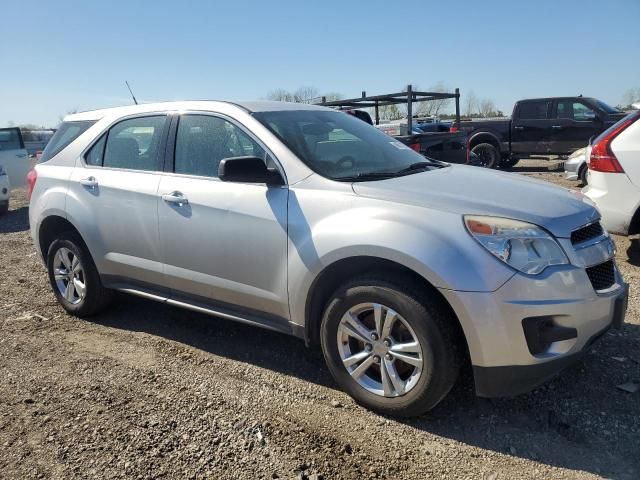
point(439, 143)
point(540, 126)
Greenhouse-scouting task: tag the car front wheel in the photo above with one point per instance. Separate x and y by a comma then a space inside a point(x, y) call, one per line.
point(393, 349)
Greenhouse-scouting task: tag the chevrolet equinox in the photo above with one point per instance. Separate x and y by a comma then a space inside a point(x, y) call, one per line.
point(311, 222)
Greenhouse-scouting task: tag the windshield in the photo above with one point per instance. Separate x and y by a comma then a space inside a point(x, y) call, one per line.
point(340, 146)
point(607, 108)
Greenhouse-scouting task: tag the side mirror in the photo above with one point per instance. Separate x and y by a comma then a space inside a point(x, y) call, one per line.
point(248, 170)
point(589, 115)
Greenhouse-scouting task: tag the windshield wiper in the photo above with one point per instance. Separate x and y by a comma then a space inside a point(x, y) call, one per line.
point(363, 177)
point(420, 166)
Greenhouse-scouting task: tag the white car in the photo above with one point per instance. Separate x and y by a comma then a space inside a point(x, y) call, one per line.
point(5, 191)
point(575, 168)
point(14, 157)
point(614, 175)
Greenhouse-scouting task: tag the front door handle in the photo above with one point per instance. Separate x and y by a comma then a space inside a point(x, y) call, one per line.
point(556, 127)
point(89, 182)
point(518, 127)
point(21, 155)
point(175, 198)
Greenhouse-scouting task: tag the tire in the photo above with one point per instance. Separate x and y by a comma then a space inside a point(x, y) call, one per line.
point(489, 155)
point(582, 174)
point(633, 252)
point(509, 162)
point(430, 324)
point(4, 208)
point(80, 304)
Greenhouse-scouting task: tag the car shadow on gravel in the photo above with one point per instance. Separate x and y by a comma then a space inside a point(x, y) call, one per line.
point(218, 336)
point(551, 167)
point(15, 220)
point(563, 423)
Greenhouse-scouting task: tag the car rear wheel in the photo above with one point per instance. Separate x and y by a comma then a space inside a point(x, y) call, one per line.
point(488, 155)
point(74, 277)
point(393, 349)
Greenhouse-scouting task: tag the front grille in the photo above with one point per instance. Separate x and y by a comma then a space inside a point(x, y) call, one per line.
point(588, 232)
point(602, 276)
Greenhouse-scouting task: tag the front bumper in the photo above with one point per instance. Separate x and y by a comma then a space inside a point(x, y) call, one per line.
point(571, 168)
point(504, 361)
point(513, 380)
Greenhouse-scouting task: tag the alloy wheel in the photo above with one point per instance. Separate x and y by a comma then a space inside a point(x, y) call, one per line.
point(380, 350)
point(69, 276)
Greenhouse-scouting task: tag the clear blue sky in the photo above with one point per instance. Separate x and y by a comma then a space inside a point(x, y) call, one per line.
point(62, 55)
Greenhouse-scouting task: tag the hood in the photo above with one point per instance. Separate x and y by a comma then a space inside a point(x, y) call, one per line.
point(471, 190)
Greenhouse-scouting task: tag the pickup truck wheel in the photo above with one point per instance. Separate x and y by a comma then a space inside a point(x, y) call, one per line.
point(74, 277)
point(489, 156)
point(390, 346)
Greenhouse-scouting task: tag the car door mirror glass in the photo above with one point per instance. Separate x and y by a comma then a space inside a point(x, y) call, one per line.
point(248, 169)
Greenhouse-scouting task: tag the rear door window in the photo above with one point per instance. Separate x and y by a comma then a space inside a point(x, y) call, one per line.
point(534, 110)
point(133, 144)
point(67, 132)
point(10, 139)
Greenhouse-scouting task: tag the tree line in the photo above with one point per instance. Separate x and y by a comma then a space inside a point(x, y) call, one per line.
point(441, 107)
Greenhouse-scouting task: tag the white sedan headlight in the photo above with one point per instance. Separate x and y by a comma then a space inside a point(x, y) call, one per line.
point(524, 246)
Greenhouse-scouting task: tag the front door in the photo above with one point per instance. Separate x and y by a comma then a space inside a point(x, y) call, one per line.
point(222, 243)
point(574, 124)
point(116, 201)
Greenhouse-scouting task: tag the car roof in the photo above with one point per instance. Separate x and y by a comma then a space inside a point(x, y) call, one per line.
point(255, 106)
point(553, 98)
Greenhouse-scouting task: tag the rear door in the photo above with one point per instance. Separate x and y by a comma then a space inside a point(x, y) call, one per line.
point(14, 157)
point(531, 127)
point(114, 189)
point(574, 123)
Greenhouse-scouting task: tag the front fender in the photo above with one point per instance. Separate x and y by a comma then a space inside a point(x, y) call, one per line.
point(432, 243)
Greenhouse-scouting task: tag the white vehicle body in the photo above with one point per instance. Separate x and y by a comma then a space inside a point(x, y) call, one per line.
point(5, 190)
point(13, 156)
point(614, 186)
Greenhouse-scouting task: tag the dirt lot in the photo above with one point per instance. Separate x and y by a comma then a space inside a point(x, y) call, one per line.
point(146, 391)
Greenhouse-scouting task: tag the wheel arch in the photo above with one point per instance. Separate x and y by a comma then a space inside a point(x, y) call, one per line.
point(484, 137)
point(335, 274)
point(50, 228)
point(634, 226)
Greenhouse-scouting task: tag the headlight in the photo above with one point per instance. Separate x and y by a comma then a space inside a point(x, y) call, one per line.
point(524, 246)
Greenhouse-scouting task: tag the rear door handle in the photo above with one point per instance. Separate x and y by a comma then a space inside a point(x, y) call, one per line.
point(89, 182)
point(21, 155)
point(175, 198)
point(556, 127)
point(519, 127)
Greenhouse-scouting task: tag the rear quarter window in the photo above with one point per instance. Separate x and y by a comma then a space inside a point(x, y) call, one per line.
point(67, 132)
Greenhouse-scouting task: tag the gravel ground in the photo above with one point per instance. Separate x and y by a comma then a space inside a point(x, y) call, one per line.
point(146, 391)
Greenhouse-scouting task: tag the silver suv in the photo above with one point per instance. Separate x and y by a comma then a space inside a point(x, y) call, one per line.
point(308, 221)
